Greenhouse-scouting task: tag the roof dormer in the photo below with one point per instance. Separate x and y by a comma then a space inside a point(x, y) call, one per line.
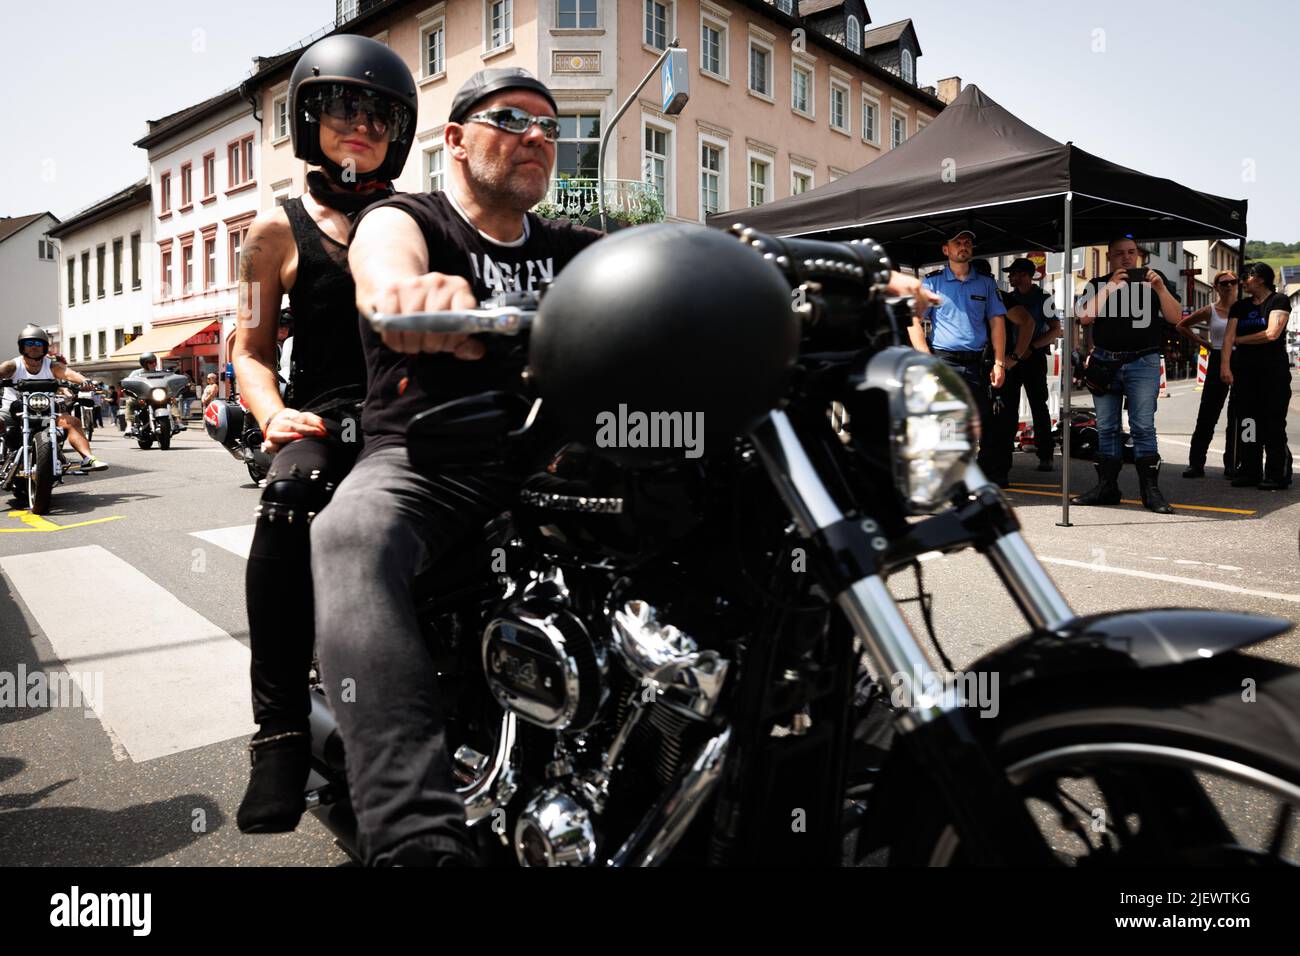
point(842, 20)
point(895, 47)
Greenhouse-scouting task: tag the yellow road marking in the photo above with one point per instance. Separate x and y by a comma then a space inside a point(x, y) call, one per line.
point(38, 523)
point(1130, 501)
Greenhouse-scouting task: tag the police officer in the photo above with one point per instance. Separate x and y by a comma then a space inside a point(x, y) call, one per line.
point(967, 319)
point(1031, 369)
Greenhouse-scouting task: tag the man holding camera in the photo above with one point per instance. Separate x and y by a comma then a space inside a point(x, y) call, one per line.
point(1127, 311)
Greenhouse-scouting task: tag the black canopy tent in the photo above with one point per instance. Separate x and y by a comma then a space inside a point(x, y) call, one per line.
point(977, 166)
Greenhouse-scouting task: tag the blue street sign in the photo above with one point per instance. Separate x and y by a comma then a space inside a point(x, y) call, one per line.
point(674, 80)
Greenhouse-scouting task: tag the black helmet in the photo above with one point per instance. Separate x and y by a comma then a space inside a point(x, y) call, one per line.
point(359, 62)
point(676, 327)
point(34, 332)
point(147, 359)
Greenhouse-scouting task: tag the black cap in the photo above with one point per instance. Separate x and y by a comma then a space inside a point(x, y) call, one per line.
point(486, 82)
point(1022, 265)
point(982, 267)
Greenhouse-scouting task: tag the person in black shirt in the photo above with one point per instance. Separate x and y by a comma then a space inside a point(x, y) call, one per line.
point(1260, 375)
point(426, 252)
point(1128, 311)
point(357, 126)
point(1030, 371)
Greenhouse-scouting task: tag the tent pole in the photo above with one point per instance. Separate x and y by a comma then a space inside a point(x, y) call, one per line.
point(1067, 346)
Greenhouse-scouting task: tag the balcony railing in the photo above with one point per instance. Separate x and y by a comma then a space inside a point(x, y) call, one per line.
point(627, 201)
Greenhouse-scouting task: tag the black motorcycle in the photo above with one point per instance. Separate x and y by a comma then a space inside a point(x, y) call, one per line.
point(679, 646)
point(33, 462)
point(153, 393)
point(230, 423)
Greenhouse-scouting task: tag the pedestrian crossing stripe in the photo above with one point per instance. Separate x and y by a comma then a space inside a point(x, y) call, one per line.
point(172, 680)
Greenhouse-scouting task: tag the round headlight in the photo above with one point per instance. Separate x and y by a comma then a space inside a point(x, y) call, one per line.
point(159, 395)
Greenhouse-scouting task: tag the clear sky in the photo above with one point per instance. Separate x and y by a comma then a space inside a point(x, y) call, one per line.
point(1201, 92)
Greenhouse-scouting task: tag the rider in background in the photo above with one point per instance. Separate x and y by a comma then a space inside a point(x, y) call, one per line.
point(34, 361)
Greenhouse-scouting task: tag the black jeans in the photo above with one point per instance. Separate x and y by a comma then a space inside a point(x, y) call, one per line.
point(1261, 393)
point(278, 585)
point(1213, 394)
point(994, 456)
point(1032, 373)
point(386, 523)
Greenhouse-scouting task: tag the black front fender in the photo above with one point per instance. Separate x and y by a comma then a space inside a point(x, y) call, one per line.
point(1127, 641)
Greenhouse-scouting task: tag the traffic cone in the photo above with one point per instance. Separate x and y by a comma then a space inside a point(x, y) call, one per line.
point(1202, 368)
point(1164, 383)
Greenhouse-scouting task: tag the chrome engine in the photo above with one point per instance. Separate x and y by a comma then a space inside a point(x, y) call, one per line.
point(593, 685)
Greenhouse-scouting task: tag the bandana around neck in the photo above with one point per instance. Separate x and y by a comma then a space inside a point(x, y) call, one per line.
point(356, 197)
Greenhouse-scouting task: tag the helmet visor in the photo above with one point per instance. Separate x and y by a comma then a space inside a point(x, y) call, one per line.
point(344, 107)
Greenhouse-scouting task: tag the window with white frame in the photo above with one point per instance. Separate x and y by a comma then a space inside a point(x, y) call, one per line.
point(801, 88)
point(713, 47)
point(434, 171)
point(760, 68)
point(713, 170)
point(760, 180)
point(433, 47)
point(870, 119)
point(839, 106)
point(578, 147)
point(905, 61)
point(656, 24)
point(576, 14)
point(500, 24)
point(854, 35)
point(922, 122)
point(785, 6)
point(45, 249)
point(801, 179)
point(655, 160)
point(897, 129)
point(280, 117)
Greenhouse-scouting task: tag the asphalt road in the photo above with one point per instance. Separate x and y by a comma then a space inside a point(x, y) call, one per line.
point(138, 573)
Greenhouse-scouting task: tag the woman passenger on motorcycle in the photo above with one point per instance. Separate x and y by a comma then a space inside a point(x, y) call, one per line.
point(352, 114)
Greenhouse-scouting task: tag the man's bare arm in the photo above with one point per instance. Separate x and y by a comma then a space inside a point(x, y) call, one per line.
point(388, 247)
point(8, 368)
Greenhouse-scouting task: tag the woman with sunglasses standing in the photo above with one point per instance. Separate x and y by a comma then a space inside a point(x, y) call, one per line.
point(352, 108)
point(1260, 375)
point(1215, 391)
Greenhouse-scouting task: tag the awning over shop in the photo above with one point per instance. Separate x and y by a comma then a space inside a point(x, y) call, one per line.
point(161, 340)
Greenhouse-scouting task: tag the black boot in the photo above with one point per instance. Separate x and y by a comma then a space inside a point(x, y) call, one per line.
point(1148, 469)
point(275, 799)
point(1106, 491)
point(1194, 471)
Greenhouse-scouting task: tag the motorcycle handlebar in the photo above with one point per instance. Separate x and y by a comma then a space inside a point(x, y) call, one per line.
point(509, 320)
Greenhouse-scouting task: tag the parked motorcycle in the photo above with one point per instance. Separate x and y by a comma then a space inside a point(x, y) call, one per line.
point(230, 423)
point(154, 392)
point(660, 657)
point(33, 462)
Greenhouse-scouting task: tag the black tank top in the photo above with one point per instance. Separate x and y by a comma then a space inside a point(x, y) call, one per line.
point(328, 363)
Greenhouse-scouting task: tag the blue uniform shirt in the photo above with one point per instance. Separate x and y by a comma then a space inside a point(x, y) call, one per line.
point(960, 323)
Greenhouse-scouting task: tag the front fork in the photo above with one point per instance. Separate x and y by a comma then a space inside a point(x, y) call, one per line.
point(854, 552)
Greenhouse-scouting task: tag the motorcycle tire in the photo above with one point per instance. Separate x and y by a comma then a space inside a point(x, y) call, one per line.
point(1146, 753)
point(40, 483)
point(164, 435)
point(145, 441)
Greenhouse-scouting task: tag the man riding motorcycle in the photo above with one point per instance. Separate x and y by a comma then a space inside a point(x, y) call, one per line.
point(428, 251)
point(148, 363)
point(34, 361)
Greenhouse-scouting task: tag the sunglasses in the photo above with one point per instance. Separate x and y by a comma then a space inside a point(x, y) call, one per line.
point(383, 118)
point(28, 343)
point(1224, 283)
point(517, 121)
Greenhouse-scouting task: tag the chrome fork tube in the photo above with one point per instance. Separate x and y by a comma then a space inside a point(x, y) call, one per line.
point(1039, 598)
point(867, 603)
